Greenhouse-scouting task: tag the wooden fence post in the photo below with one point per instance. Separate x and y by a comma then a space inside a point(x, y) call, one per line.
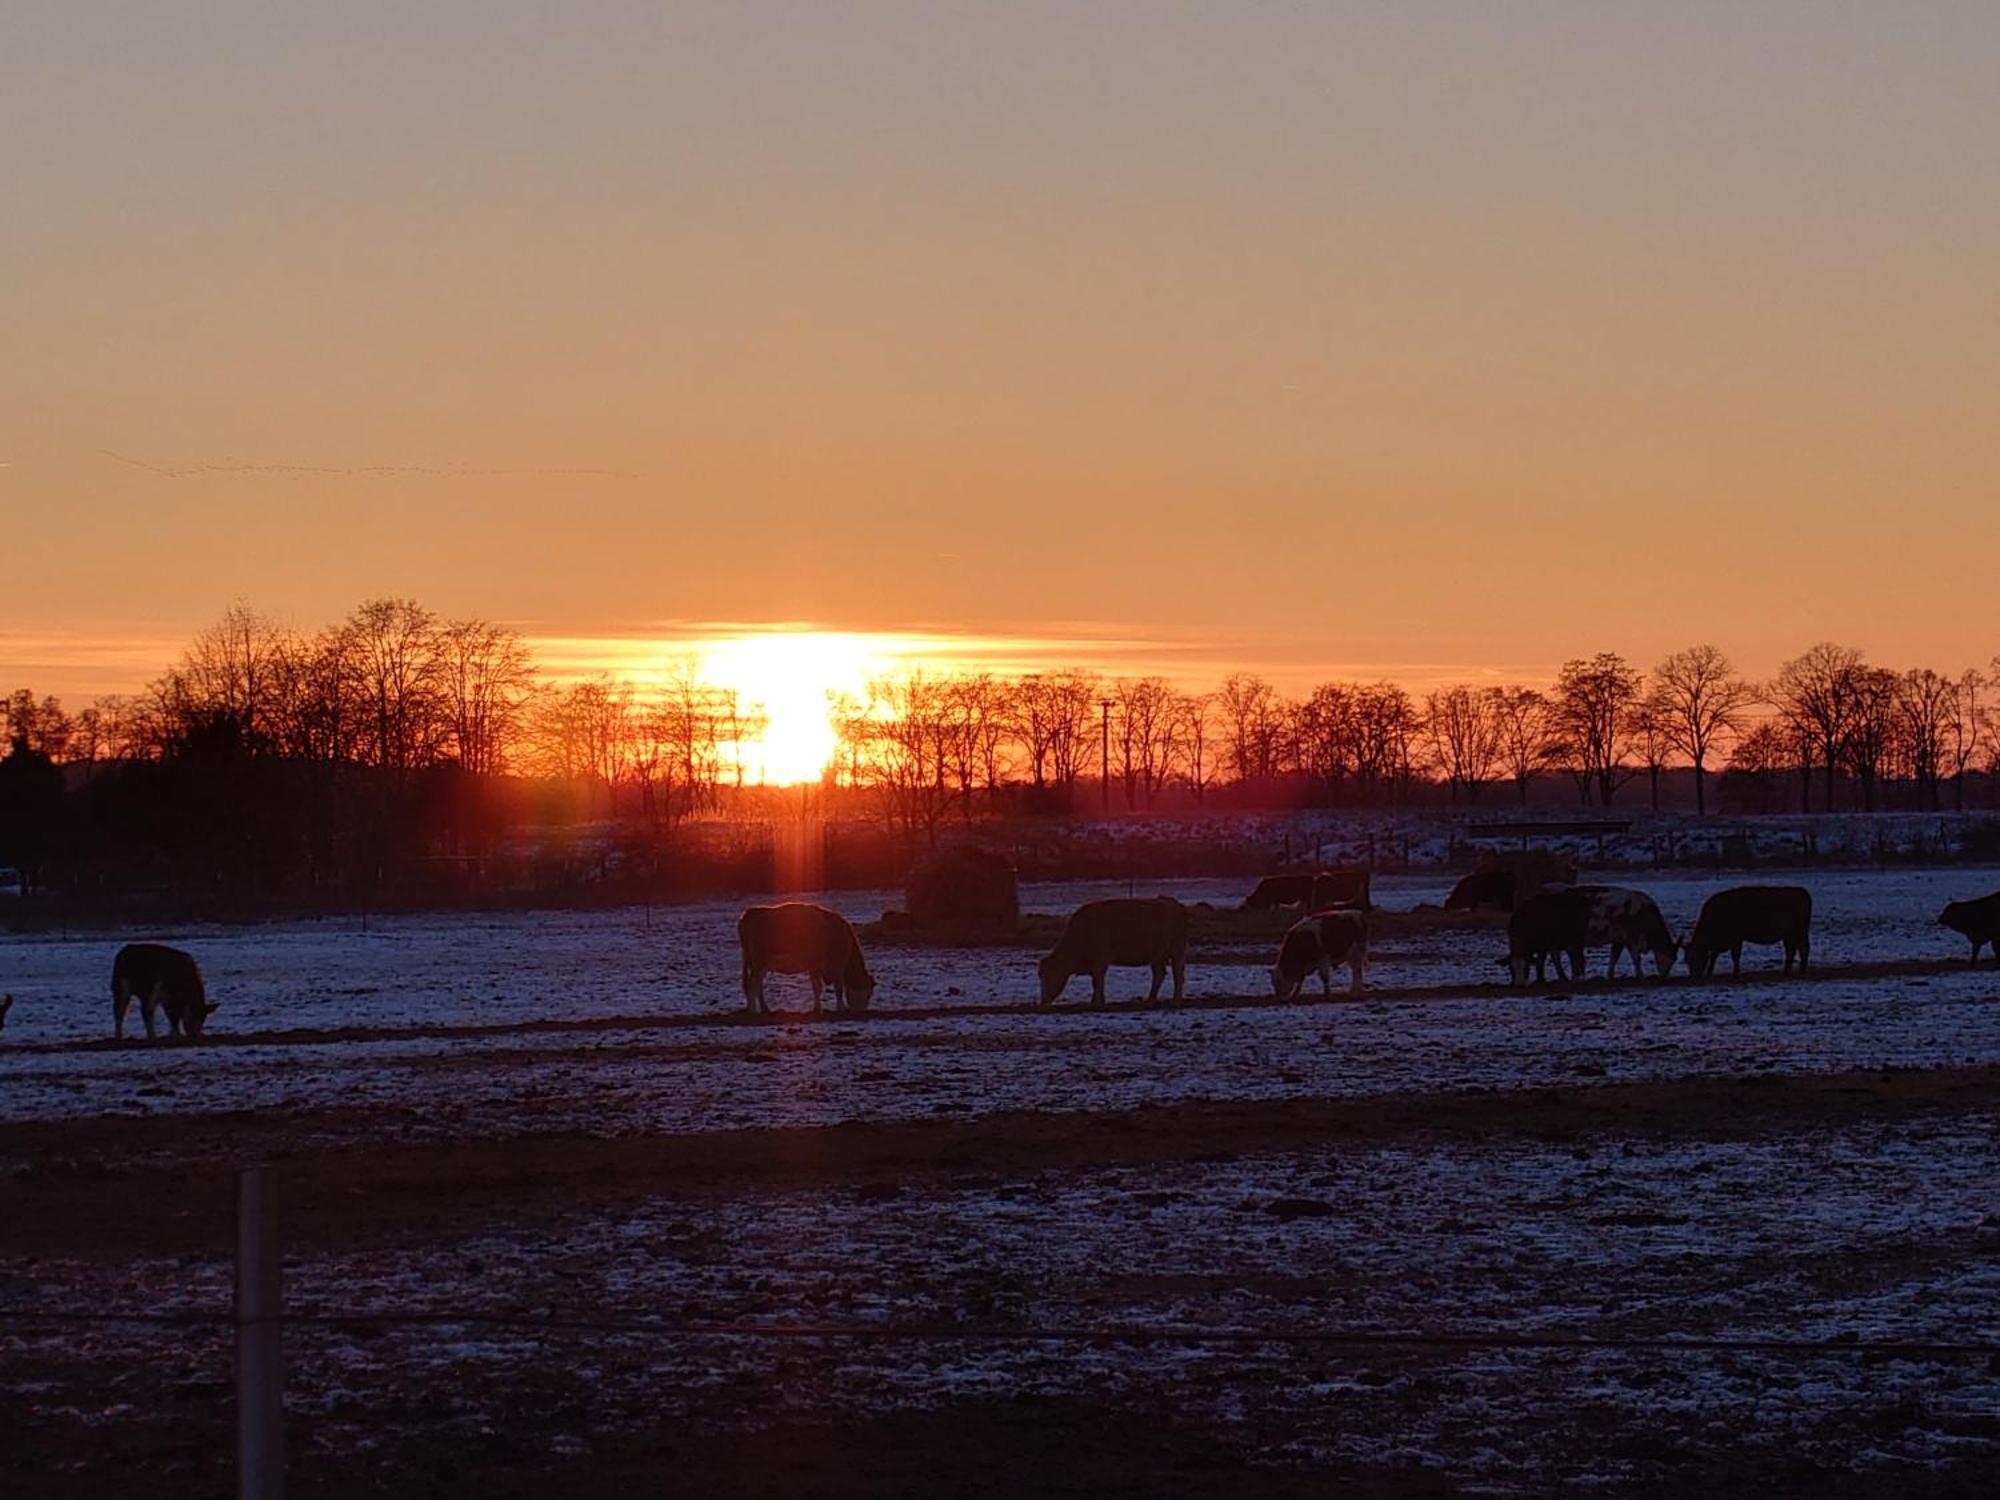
point(260, 1371)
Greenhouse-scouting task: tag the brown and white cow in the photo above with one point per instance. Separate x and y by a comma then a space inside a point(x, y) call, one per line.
point(1143, 932)
point(1323, 941)
point(1628, 921)
point(797, 937)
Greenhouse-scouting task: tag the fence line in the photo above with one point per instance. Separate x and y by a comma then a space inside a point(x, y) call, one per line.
point(1114, 1334)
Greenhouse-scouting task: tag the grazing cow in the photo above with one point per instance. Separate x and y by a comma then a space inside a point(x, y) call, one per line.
point(796, 937)
point(1149, 933)
point(1274, 891)
point(1317, 892)
point(1322, 941)
point(1548, 924)
point(1978, 920)
point(1751, 914)
point(1629, 921)
point(1494, 888)
point(1335, 888)
point(160, 978)
point(6, 1004)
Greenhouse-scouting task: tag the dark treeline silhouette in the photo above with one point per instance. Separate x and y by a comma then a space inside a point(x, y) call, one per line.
point(397, 747)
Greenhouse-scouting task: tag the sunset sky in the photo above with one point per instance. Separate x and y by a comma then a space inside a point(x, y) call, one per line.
point(1417, 339)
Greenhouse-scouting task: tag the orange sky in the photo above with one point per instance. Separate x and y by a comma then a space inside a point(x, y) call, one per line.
point(1419, 340)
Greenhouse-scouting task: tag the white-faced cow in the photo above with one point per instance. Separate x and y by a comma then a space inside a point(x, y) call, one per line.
point(796, 937)
point(1148, 933)
point(1322, 941)
point(1751, 914)
point(1977, 920)
point(160, 979)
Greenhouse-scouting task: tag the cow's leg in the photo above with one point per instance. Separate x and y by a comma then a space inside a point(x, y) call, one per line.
point(1180, 977)
point(1159, 978)
point(1736, 962)
point(148, 1003)
point(121, 1001)
point(1097, 984)
point(1326, 978)
point(819, 989)
point(1357, 966)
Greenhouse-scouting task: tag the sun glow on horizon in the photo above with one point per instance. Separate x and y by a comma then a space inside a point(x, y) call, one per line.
point(789, 681)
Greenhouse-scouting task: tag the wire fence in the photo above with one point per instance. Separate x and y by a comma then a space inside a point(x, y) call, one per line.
point(1143, 1333)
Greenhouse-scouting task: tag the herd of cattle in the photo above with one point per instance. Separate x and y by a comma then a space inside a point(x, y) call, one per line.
point(1554, 925)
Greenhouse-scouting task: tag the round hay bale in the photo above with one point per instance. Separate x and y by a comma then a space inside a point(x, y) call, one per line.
point(963, 885)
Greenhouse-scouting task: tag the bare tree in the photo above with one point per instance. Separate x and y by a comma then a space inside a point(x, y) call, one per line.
point(1965, 725)
point(483, 674)
point(1194, 741)
point(1925, 704)
point(395, 650)
point(1871, 725)
point(1463, 727)
point(1144, 744)
point(1521, 718)
point(1324, 735)
point(1815, 694)
point(1701, 701)
point(1592, 712)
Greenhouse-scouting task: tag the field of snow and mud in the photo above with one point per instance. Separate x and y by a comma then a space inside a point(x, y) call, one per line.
point(567, 1116)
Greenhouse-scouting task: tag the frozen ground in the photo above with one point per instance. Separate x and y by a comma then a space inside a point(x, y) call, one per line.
point(408, 978)
point(449, 1157)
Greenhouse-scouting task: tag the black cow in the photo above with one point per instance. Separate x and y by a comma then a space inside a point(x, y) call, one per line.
point(1494, 888)
point(1549, 924)
point(160, 979)
point(6, 1004)
point(1978, 920)
point(1751, 914)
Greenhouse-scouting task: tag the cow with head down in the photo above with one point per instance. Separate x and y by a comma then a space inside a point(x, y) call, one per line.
point(1629, 921)
point(1978, 921)
point(1142, 932)
point(1322, 941)
point(1552, 924)
point(795, 937)
point(1780, 914)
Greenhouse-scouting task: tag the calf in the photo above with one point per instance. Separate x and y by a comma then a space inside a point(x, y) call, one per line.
point(1548, 924)
point(1978, 920)
point(796, 937)
point(1751, 914)
point(1322, 941)
point(1149, 933)
point(160, 978)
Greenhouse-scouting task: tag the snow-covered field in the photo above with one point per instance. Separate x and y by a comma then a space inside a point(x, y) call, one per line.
point(415, 1034)
point(415, 975)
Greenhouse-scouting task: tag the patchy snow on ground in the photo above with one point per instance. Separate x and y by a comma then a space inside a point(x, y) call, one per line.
point(1876, 1233)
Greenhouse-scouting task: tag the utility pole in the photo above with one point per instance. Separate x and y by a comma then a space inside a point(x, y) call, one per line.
point(1104, 757)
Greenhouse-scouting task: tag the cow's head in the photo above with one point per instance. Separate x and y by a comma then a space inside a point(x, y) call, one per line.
point(1952, 916)
point(198, 1014)
point(860, 990)
point(1055, 974)
point(1281, 985)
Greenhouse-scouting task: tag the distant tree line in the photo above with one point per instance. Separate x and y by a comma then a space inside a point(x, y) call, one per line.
point(266, 755)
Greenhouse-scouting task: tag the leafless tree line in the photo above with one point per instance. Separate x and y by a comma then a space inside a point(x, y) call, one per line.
point(397, 688)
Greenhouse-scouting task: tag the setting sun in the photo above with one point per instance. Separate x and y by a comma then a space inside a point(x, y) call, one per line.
point(787, 680)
